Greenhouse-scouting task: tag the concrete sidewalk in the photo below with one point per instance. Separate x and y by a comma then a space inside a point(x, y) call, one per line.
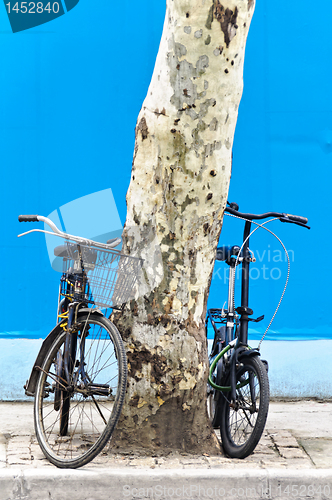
point(292, 460)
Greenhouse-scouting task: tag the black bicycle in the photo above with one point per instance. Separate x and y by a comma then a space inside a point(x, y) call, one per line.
point(79, 378)
point(238, 390)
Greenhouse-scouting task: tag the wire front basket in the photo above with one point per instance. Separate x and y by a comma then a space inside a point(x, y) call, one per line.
point(105, 278)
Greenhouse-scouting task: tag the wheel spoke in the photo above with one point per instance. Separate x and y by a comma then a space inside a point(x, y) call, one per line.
point(99, 410)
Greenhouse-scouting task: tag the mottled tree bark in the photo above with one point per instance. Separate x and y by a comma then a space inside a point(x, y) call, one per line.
point(177, 195)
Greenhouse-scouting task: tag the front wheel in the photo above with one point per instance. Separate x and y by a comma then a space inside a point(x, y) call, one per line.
point(75, 419)
point(242, 421)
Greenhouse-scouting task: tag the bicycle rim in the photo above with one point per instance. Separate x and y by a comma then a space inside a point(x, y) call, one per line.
point(73, 432)
point(242, 422)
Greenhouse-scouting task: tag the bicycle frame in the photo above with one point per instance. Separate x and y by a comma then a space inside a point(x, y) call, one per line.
point(70, 345)
point(69, 351)
point(237, 344)
point(244, 310)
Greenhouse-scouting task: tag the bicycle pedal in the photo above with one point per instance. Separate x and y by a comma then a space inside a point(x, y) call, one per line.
point(100, 389)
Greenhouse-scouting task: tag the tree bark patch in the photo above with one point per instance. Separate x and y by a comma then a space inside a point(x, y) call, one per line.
point(158, 364)
point(142, 126)
point(226, 18)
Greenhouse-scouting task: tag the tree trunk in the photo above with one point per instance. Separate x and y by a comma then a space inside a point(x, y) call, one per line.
point(176, 199)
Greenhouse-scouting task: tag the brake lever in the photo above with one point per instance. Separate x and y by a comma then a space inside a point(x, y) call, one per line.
point(285, 219)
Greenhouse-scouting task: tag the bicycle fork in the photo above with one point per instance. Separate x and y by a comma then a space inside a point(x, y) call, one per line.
point(69, 352)
point(70, 348)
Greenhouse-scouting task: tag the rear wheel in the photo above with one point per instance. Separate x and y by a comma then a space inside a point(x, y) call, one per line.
point(212, 407)
point(242, 422)
point(214, 396)
point(73, 422)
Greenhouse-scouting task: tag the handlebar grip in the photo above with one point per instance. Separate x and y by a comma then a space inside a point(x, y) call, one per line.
point(28, 218)
point(297, 218)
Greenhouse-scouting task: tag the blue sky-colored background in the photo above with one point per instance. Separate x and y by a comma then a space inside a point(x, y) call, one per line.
point(71, 91)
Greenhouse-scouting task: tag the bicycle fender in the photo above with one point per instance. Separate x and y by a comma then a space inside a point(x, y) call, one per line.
point(86, 310)
point(31, 383)
point(248, 353)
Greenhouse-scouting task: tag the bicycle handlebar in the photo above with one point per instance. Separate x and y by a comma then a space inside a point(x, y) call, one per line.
point(293, 219)
point(61, 234)
point(297, 218)
point(253, 216)
point(28, 218)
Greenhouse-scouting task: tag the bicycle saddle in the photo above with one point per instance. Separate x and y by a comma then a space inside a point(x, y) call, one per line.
point(71, 253)
point(61, 251)
point(226, 252)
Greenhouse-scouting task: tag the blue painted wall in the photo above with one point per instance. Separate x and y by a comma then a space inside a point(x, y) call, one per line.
point(71, 91)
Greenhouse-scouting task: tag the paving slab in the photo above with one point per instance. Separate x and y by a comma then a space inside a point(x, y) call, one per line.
point(319, 450)
point(293, 460)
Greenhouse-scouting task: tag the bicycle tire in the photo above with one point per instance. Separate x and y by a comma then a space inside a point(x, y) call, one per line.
point(92, 415)
point(213, 408)
point(242, 425)
point(214, 398)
